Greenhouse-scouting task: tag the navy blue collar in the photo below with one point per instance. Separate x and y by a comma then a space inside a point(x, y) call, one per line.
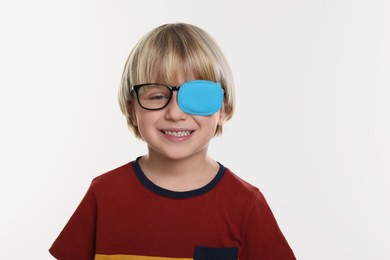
point(177, 194)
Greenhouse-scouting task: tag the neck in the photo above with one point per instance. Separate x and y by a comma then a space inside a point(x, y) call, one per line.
point(179, 174)
point(174, 166)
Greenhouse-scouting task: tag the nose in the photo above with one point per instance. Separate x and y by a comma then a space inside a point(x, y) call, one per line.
point(173, 111)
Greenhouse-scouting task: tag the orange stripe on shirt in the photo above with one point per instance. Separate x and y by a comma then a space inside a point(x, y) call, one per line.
point(135, 257)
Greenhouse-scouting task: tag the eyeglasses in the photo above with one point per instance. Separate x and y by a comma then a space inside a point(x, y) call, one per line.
point(154, 96)
point(197, 97)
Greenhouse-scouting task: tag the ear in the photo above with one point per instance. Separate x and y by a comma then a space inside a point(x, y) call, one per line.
point(133, 118)
point(222, 117)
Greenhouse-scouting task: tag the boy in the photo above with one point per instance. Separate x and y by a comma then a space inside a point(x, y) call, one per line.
point(175, 202)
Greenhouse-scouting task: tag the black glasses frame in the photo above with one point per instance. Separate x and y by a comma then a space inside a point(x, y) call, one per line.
point(136, 88)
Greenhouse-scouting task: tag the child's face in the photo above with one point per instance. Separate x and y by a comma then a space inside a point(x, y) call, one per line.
point(174, 134)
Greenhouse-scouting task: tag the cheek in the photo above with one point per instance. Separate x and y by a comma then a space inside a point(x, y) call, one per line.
point(143, 124)
point(209, 121)
point(216, 118)
point(145, 119)
point(140, 120)
point(138, 115)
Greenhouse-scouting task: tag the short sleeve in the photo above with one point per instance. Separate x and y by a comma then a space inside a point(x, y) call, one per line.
point(262, 238)
point(77, 239)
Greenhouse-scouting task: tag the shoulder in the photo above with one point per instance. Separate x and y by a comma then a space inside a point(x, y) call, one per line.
point(113, 178)
point(239, 184)
point(240, 190)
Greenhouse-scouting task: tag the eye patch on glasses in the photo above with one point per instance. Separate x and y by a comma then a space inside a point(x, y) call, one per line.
point(200, 97)
point(196, 97)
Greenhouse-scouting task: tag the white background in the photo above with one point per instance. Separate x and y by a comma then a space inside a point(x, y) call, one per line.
point(312, 128)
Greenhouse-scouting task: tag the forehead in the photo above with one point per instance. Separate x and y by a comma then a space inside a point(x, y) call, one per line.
point(178, 80)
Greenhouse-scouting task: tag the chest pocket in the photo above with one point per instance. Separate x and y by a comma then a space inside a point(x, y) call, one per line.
point(210, 253)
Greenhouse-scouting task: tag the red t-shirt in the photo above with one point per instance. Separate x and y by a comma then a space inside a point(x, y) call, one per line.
point(125, 216)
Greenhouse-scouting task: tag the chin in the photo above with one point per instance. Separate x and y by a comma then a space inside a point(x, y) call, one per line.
point(179, 154)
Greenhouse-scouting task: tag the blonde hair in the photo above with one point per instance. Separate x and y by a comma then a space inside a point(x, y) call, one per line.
point(165, 52)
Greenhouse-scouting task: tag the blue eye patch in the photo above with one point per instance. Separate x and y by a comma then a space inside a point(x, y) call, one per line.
point(200, 97)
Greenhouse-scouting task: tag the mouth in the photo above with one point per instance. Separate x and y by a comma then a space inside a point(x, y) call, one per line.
point(181, 133)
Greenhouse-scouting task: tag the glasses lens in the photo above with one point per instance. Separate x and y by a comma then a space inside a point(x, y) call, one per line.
point(154, 96)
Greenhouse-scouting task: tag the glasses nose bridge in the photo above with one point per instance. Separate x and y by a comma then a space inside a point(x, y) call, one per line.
point(174, 88)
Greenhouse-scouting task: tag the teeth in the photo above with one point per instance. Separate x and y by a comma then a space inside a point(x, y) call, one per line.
point(178, 134)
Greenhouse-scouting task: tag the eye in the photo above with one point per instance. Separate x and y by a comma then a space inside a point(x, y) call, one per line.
point(154, 92)
point(157, 96)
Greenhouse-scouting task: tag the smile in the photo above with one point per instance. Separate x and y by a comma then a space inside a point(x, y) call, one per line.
point(177, 133)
